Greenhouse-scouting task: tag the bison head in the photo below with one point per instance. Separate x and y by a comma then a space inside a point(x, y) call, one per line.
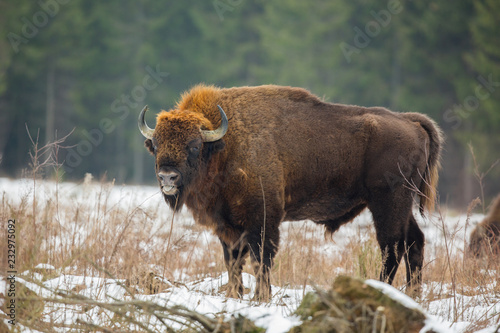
point(182, 143)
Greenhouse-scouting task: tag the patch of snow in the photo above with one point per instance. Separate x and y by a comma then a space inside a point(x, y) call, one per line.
point(3, 290)
point(431, 323)
point(395, 294)
point(45, 266)
point(203, 294)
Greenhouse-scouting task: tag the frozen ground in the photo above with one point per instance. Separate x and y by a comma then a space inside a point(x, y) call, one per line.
point(456, 313)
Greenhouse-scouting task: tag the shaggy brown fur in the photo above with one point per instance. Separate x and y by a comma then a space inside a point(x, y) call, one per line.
point(485, 238)
point(287, 155)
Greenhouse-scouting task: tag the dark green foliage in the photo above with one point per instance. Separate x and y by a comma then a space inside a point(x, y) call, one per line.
point(85, 65)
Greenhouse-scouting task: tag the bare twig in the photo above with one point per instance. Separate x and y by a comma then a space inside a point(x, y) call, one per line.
point(480, 175)
point(47, 154)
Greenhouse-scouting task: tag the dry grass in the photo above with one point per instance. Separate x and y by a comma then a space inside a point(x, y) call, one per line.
point(88, 229)
point(96, 234)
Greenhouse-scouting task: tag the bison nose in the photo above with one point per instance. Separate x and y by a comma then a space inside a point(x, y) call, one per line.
point(169, 178)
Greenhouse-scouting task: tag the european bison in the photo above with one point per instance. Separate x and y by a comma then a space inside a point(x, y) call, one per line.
point(485, 238)
point(245, 159)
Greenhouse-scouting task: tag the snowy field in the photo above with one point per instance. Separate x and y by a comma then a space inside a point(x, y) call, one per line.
point(80, 216)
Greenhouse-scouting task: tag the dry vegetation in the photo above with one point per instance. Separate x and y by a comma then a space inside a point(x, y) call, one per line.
point(93, 235)
point(85, 229)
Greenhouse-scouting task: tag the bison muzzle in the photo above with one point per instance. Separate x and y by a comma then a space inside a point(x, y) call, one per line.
point(245, 159)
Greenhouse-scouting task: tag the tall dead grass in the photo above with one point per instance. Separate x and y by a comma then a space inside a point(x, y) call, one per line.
point(95, 229)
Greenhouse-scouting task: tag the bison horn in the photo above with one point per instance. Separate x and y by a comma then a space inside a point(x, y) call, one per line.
point(143, 127)
point(211, 136)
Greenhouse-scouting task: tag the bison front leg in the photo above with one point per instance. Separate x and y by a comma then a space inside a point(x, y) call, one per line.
point(263, 247)
point(234, 258)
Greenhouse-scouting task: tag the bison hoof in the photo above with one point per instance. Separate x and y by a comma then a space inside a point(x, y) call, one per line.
point(233, 292)
point(414, 291)
point(262, 296)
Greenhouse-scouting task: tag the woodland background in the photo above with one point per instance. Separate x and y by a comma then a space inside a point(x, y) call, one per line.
point(88, 67)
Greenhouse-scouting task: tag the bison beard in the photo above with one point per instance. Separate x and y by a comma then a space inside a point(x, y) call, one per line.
point(286, 155)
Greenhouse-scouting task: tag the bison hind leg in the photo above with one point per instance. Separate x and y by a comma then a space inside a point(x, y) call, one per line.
point(391, 213)
point(414, 256)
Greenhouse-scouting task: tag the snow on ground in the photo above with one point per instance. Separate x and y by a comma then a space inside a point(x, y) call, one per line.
point(202, 295)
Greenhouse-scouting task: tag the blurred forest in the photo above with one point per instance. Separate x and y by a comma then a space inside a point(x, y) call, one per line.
point(90, 66)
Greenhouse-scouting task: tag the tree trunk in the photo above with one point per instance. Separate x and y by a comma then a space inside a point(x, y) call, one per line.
point(50, 106)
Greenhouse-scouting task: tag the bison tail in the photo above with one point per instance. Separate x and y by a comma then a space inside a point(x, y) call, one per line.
point(427, 190)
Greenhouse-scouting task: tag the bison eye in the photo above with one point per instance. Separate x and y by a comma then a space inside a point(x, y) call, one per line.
point(194, 147)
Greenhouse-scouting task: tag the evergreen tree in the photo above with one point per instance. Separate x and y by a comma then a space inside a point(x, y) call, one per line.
point(91, 66)
point(479, 110)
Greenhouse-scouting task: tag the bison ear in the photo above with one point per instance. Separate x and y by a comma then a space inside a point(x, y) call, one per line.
point(218, 146)
point(212, 148)
point(149, 145)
